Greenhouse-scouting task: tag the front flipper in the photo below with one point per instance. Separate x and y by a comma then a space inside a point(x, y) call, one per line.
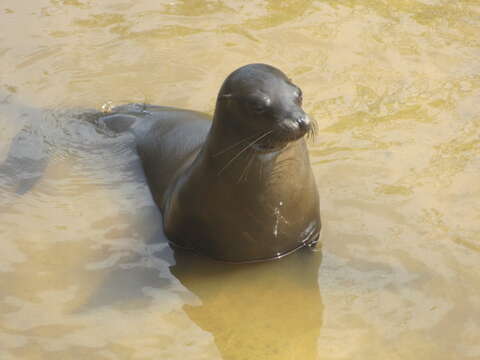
point(118, 122)
point(25, 162)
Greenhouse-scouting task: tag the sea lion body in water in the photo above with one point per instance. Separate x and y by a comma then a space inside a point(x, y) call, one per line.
point(239, 188)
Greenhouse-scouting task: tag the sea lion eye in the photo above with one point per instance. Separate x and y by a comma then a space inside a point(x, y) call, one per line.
point(259, 105)
point(299, 97)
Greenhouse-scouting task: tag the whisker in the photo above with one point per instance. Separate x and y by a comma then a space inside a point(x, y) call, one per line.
point(234, 145)
point(260, 173)
point(312, 133)
point(247, 168)
point(244, 149)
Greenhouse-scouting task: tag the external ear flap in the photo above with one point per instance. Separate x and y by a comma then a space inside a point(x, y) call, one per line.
point(225, 96)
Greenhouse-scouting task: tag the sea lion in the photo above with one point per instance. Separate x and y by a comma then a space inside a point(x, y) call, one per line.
point(239, 188)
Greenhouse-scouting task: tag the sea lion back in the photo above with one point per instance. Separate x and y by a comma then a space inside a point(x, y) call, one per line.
point(167, 139)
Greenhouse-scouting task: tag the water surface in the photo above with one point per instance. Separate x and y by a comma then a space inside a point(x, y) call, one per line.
point(85, 271)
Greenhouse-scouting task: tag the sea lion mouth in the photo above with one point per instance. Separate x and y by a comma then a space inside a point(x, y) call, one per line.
point(280, 138)
point(269, 147)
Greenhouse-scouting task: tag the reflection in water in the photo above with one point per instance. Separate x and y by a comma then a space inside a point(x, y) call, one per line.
point(267, 310)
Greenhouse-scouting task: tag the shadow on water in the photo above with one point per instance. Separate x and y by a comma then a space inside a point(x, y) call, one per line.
point(269, 310)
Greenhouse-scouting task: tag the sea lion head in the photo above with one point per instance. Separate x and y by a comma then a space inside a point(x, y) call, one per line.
point(259, 102)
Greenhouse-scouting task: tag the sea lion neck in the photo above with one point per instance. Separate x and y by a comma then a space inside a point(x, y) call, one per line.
point(228, 135)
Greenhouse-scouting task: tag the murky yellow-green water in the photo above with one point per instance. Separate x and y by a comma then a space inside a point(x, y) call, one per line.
point(85, 272)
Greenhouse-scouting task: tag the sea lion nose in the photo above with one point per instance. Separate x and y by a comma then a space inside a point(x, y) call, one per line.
point(303, 122)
